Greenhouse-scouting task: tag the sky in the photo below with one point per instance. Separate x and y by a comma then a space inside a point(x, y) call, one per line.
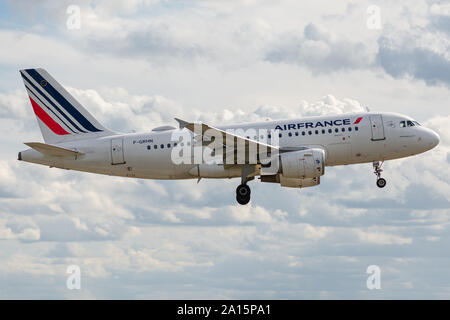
point(138, 64)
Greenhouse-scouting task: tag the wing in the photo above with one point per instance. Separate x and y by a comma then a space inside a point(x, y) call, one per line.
point(233, 144)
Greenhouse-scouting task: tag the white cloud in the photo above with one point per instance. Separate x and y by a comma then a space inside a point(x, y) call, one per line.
point(317, 49)
point(14, 105)
point(382, 238)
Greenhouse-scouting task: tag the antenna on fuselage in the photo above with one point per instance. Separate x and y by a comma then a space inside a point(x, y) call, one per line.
point(367, 109)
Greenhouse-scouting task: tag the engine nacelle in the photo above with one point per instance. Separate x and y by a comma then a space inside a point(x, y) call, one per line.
point(304, 164)
point(299, 183)
point(291, 182)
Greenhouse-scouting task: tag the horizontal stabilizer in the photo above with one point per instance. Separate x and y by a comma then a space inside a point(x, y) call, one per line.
point(51, 150)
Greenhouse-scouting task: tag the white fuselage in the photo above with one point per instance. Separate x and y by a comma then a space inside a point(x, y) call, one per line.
point(346, 139)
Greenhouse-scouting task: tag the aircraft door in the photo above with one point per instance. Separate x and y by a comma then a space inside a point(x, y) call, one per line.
point(117, 155)
point(377, 127)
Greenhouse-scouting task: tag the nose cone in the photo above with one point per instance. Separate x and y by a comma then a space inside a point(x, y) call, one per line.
point(432, 139)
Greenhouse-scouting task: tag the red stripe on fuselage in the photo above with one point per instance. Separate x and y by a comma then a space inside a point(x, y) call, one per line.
point(45, 118)
point(358, 120)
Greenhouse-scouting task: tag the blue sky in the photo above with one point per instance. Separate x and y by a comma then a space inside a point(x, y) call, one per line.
point(138, 64)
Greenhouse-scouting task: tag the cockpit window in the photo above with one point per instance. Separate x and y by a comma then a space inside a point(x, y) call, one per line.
point(408, 123)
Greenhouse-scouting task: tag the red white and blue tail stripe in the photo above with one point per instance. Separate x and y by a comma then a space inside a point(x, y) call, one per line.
point(60, 117)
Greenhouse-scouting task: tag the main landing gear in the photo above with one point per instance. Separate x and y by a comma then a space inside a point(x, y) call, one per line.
point(243, 194)
point(243, 190)
point(381, 182)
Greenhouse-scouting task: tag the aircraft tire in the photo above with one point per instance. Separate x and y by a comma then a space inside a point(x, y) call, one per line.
point(243, 194)
point(381, 183)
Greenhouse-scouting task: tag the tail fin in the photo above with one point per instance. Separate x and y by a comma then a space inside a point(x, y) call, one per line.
point(61, 118)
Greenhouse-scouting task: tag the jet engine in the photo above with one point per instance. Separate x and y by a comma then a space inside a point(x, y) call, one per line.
point(304, 164)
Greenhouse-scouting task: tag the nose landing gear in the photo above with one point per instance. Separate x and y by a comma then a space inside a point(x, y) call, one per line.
point(381, 182)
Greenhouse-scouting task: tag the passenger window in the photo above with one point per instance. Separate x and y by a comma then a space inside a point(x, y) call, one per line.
point(290, 134)
point(323, 131)
point(174, 144)
point(343, 129)
point(356, 128)
point(303, 133)
point(162, 146)
point(149, 147)
point(350, 129)
point(168, 145)
point(310, 132)
point(330, 131)
point(280, 135)
point(296, 134)
point(336, 130)
point(317, 132)
point(155, 146)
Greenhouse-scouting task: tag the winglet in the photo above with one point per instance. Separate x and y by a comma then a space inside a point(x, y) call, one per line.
point(182, 123)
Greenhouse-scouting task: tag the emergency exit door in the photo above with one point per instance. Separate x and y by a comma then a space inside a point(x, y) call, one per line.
point(377, 126)
point(117, 155)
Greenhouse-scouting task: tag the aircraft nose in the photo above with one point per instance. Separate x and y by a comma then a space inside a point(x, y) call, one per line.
point(433, 139)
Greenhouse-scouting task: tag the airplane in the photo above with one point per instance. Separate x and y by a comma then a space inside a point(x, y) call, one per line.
point(293, 153)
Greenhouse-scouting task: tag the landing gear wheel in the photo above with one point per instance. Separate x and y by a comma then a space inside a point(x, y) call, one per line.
point(243, 194)
point(381, 183)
